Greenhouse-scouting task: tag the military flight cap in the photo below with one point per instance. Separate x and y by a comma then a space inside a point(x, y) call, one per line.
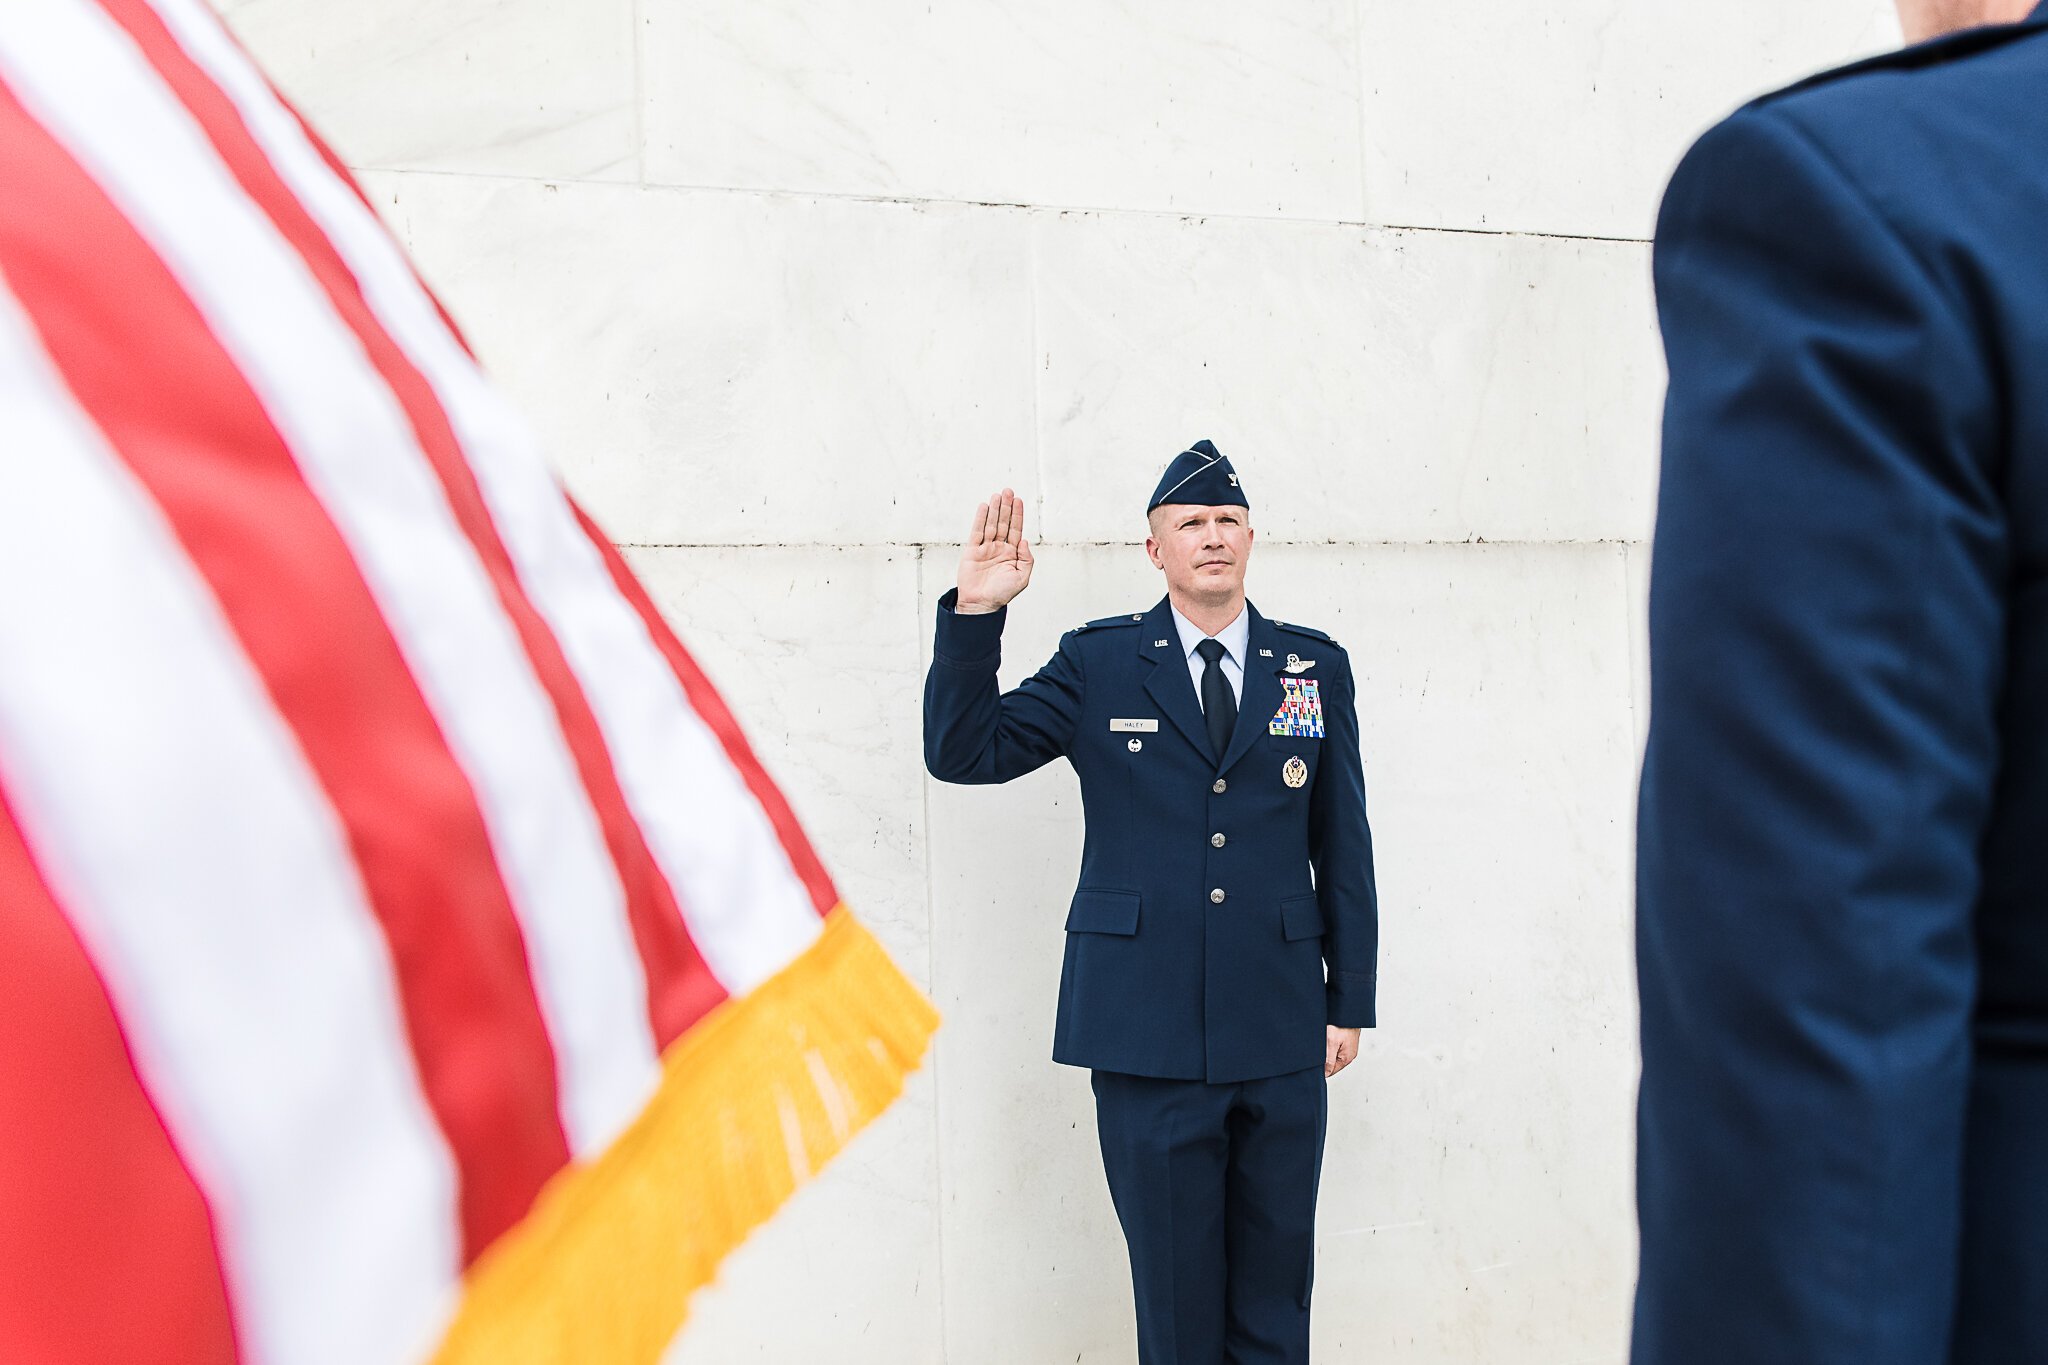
point(1200, 476)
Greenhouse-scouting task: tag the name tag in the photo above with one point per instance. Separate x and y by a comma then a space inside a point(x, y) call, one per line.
point(1133, 727)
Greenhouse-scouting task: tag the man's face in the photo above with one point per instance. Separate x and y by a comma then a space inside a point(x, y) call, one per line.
point(1202, 550)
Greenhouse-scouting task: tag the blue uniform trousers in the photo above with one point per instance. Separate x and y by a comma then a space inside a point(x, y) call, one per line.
point(1215, 1185)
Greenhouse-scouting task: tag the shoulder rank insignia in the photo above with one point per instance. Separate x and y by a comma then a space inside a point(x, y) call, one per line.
point(1299, 629)
point(1108, 621)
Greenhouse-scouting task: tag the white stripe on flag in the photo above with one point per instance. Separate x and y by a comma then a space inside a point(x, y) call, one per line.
point(747, 910)
point(96, 91)
point(211, 883)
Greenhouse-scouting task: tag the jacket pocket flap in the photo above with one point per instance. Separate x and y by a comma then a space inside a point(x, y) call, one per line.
point(1301, 917)
point(1103, 912)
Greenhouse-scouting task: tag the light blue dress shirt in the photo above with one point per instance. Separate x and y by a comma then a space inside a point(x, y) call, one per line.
point(1235, 639)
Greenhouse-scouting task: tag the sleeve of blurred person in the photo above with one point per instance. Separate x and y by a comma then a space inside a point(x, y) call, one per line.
point(1827, 622)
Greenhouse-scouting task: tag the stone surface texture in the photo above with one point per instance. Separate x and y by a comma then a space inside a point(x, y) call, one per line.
point(789, 287)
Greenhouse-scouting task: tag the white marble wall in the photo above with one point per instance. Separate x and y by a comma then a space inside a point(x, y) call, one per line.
point(789, 286)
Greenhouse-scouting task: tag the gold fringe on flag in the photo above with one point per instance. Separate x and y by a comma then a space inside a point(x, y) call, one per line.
point(754, 1099)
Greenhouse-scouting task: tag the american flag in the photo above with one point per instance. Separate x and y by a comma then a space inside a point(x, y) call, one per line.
point(402, 954)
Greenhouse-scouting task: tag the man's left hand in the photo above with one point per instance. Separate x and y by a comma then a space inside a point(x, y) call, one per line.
point(1339, 1050)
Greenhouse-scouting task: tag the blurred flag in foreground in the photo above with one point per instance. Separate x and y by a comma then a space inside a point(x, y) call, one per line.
point(402, 955)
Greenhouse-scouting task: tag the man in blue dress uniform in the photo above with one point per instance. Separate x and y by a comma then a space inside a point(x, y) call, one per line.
point(1843, 900)
point(1221, 946)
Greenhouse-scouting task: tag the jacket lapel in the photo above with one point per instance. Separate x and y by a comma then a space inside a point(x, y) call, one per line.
point(1169, 682)
point(1262, 690)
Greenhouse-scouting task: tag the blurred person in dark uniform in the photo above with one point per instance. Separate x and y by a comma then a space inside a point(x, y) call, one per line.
point(1843, 879)
point(1221, 946)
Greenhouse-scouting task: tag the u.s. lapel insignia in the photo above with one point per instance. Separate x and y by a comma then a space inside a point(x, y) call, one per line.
point(1295, 774)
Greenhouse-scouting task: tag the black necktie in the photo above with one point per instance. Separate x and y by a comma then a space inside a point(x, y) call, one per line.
point(1219, 704)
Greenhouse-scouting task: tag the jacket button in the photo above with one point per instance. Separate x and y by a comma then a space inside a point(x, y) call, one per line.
point(1219, 786)
point(1216, 896)
point(1215, 841)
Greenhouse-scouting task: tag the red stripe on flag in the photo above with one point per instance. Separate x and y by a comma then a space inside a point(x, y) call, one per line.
point(106, 1245)
point(140, 360)
point(681, 988)
point(711, 707)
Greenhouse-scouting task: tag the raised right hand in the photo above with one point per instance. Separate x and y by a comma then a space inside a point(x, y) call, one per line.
point(996, 564)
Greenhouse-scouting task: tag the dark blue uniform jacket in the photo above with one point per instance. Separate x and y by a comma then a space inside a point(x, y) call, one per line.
point(1213, 896)
point(1843, 926)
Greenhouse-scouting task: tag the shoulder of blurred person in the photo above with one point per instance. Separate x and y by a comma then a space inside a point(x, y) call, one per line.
point(1939, 140)
point(1892, 210)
